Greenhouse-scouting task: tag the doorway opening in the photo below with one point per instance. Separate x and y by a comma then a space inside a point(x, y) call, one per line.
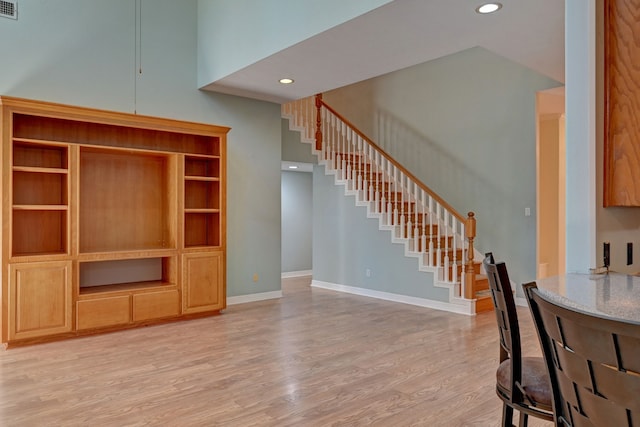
point(550, 185)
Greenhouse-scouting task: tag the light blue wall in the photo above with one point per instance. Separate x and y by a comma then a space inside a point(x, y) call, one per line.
point(73, 52)
point(83, 53)
point(297, 217)
point(292, 149)
point(235, 33)
point(466, 126)
point(346, 243)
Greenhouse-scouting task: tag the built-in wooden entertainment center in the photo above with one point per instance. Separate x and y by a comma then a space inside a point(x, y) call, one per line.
point(109, 220)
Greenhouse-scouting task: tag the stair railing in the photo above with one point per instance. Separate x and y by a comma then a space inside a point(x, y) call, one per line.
point(433, 228)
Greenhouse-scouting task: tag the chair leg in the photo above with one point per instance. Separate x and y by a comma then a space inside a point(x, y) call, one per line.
point(507, 416)
point(524, 420)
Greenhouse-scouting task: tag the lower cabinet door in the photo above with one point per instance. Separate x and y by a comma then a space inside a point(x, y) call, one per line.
point(40, 299)
point(203, 282)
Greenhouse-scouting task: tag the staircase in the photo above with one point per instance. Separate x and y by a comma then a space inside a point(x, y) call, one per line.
point(431, 230)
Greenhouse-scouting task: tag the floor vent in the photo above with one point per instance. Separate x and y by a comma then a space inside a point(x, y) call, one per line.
point(9, 9)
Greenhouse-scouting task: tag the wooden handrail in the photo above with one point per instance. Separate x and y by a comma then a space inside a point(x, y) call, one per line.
point(320, 103)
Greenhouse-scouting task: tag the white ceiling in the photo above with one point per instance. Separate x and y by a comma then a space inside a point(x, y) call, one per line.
point(401, 34)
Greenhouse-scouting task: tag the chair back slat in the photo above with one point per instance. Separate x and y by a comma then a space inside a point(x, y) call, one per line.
point(581, 339)
point(593, 363)
point(629, 351)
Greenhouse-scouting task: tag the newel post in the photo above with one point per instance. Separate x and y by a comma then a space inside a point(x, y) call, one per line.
point(469, 271)
point(318, 122)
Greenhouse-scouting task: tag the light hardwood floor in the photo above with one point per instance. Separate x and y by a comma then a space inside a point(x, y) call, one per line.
point(313, 358)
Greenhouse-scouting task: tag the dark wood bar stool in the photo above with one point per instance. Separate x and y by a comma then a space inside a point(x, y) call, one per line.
point(593, 362)
point(521, 382)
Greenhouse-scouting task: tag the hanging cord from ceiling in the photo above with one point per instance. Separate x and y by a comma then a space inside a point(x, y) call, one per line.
point(137, 51)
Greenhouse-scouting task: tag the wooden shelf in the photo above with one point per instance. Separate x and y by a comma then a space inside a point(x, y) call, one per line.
point(201, 178)
point(204, 156)
point(128, 254)
point(201, 210)
point(125, 287)
point(50, 255)
point(39, 169)
point(40, 207)
point(40, 142)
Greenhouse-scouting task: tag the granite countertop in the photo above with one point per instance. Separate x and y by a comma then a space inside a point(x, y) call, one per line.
point(612, 295)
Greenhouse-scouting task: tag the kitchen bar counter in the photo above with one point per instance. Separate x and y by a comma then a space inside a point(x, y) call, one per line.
point(614, 295)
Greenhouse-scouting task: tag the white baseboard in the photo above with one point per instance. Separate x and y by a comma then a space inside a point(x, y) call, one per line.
point(387, 296)
point(242, 299)
point(301, 273)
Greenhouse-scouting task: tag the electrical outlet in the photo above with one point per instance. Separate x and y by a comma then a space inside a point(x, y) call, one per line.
point(255, 277)
point(368, 272)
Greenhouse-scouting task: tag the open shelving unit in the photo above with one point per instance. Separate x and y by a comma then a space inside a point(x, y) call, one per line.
point(112, 220)
point(202, 200)
point(40, 205)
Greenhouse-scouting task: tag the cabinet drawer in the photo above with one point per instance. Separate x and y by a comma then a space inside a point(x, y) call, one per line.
point(155, 305)
point(102, 312)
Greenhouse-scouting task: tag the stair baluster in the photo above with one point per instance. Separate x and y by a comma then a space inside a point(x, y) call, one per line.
point(416, 229)
point(389, 206)
point(438, 240)
point(396, 220)
point(423, 237)
point(446, 247)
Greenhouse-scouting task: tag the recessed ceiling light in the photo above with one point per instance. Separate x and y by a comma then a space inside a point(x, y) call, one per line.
point(488, 8)
point(286, 81)
point(293, 167)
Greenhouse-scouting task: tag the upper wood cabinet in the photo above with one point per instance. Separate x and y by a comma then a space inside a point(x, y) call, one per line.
point(622, 103)
point(101, 212)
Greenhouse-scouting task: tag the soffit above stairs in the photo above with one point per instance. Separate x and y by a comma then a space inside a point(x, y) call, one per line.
point(401, 34)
